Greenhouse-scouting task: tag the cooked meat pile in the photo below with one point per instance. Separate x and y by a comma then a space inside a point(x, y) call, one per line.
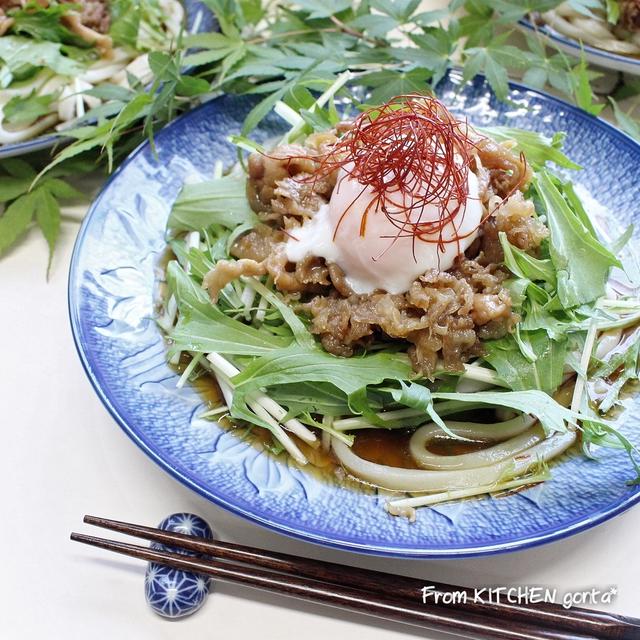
point(94, 14)
point(281, 187)
point(443, 316)
point(630, 14)
point(5, 5)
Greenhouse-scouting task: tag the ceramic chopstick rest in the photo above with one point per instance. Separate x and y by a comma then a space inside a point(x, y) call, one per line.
point(175, 593)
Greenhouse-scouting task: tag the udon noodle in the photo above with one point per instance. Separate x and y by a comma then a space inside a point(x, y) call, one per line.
point(622, 38)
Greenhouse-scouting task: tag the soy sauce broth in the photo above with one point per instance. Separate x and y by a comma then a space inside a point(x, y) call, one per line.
point(383, 446)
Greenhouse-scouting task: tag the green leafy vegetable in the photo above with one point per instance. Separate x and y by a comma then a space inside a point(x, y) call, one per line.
point(24, 110)
point(606, 435)
point(388, 83)
point(583, 93)
point(544, 373)
point(15, 221)
point(137, 24)
point(621, 365)
point(537, 148)
point(204, 328)
point(225, 336)
point(581, 261)
point(320, 9)
point(222, 201)
point(18, 52)
point(297, 364)
point(24, 205)
point(300, 332)
point(44, 23)
point(417, 396)
point(48, 218)
point(193, 301)
point(494, 60)
point(613, 11)
point(552, 416)
point(350, 377)
point(318, 398)
point(627, 123)
point(524, 265)
point(125, 22)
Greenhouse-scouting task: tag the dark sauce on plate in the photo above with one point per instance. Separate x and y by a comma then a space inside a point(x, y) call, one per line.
point(383, 446)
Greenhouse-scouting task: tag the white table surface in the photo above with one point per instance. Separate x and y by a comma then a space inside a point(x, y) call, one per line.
point(64, 456)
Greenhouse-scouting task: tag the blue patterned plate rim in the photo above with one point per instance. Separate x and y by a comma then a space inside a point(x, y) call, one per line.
point(574, 44)
point(194, 10)
point(568, 528)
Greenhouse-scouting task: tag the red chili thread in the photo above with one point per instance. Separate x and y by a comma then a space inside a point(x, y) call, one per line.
point(413, 153)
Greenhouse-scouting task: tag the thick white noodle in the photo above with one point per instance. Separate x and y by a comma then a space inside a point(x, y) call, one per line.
point(25, 88)
point(8, 136)
point(173, 16)
point(513, 436)
point(426, 480)
point(596, 31)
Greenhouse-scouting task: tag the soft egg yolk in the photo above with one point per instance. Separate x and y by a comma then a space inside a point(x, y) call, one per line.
point(384, 257)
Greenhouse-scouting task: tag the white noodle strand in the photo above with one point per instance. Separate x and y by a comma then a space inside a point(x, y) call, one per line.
point(424, 480)
point(513, 436)
point(595, 31)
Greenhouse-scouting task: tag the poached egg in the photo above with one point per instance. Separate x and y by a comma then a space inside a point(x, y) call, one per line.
point(382, 257)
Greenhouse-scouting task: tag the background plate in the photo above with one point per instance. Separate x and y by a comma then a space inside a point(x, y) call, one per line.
point(198, 18)
point(111, 292)
point(598, 57)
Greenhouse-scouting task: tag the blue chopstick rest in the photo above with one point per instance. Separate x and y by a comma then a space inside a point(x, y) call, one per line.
point(174, 593)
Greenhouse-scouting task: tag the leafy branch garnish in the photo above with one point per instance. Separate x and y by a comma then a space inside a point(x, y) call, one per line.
point(283, 51)
point(25, 205)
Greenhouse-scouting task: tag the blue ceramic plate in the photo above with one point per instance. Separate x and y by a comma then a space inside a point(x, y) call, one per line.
point(198, 19)
point(111, 299)
point(598, 57)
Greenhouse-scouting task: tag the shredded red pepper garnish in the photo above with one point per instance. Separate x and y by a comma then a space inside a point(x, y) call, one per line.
point(412, 152)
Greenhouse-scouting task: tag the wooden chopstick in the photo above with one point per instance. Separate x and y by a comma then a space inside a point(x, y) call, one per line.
point(581, 621)
point(461, 622)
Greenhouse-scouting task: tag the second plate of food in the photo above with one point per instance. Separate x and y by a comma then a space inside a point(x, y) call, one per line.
point(606, 33)
point(390, 395)
point(78, 48)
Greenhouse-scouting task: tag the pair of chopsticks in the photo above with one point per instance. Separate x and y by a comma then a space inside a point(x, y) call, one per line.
point(383, 595)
